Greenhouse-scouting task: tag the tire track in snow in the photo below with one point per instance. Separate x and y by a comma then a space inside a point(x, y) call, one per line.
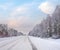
point(33, 46)
point(24, 39)
point(15, 43)
point(8, 42)
point(23, 43)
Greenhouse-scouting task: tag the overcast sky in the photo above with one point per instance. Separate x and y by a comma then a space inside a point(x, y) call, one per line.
point(23, 15)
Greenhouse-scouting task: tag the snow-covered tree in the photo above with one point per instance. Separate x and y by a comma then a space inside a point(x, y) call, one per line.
point(49, 27)
point(5, 31)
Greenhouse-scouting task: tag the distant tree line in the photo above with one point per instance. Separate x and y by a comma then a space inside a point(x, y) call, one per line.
point(5, 31)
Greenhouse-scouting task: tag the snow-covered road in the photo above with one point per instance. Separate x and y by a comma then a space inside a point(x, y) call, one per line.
point(28, 43)
point(17, 43)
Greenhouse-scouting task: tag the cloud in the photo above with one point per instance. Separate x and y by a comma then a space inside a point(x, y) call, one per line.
point(47, 7)
point(4, 7)
point(23, 24)
point(12, 23)
point(25, 9)
point(18, 11)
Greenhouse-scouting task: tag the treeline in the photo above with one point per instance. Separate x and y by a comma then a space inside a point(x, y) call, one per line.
point(49, 27)
point(5, 31)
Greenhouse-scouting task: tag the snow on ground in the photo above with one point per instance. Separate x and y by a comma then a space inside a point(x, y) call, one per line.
point(15, 43)
point(45, 44)
point(29, 43)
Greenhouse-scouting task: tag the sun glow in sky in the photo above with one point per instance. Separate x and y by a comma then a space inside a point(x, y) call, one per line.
point(23, 15)
point(47, 7)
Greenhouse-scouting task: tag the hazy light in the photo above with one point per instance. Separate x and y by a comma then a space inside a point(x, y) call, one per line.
point(47, 7)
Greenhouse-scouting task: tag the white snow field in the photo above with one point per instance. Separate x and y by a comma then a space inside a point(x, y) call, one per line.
point(46, 44)
point(28, 43)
